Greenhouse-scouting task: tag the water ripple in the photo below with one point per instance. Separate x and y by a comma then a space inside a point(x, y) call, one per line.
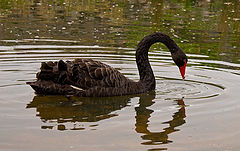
point(120, 58)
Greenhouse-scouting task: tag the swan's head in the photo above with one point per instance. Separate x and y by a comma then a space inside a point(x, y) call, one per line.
point(180, 59)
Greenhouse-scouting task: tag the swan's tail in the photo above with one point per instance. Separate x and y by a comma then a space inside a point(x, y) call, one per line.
point(53, 79)
point(53, 71)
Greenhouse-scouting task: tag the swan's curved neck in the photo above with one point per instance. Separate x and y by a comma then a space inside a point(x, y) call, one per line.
point(145, 71)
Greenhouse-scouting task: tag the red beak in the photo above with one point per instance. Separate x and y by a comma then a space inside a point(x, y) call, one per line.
point(182, 69)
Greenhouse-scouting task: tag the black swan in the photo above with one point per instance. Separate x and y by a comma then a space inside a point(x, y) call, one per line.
point(89, 78)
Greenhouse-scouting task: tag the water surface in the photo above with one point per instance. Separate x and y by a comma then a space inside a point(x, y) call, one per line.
point(198, 113)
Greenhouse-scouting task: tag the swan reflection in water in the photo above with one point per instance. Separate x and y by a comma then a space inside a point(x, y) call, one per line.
point(58, 111)
point(142, 119)
point(61, 110)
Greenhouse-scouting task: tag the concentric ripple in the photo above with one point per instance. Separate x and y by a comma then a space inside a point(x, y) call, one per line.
point(170, 88)
point(30, 56)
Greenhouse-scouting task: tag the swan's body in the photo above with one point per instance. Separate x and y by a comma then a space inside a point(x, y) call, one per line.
point(86, 77)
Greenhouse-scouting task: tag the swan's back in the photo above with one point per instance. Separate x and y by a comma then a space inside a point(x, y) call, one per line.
point(82, 77)
point(87, 73)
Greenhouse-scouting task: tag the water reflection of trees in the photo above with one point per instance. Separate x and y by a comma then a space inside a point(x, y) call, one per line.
point(200, 25)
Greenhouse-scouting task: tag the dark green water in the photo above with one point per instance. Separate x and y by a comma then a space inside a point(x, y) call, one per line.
point(198, 113)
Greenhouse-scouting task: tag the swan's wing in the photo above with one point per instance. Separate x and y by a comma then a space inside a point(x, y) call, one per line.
point(82, 74)
point(87, 73)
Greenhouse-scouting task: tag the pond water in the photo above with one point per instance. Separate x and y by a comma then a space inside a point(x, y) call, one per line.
point(198, 113)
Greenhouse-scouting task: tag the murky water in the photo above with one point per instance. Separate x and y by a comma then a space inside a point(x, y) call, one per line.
point(198, 113)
